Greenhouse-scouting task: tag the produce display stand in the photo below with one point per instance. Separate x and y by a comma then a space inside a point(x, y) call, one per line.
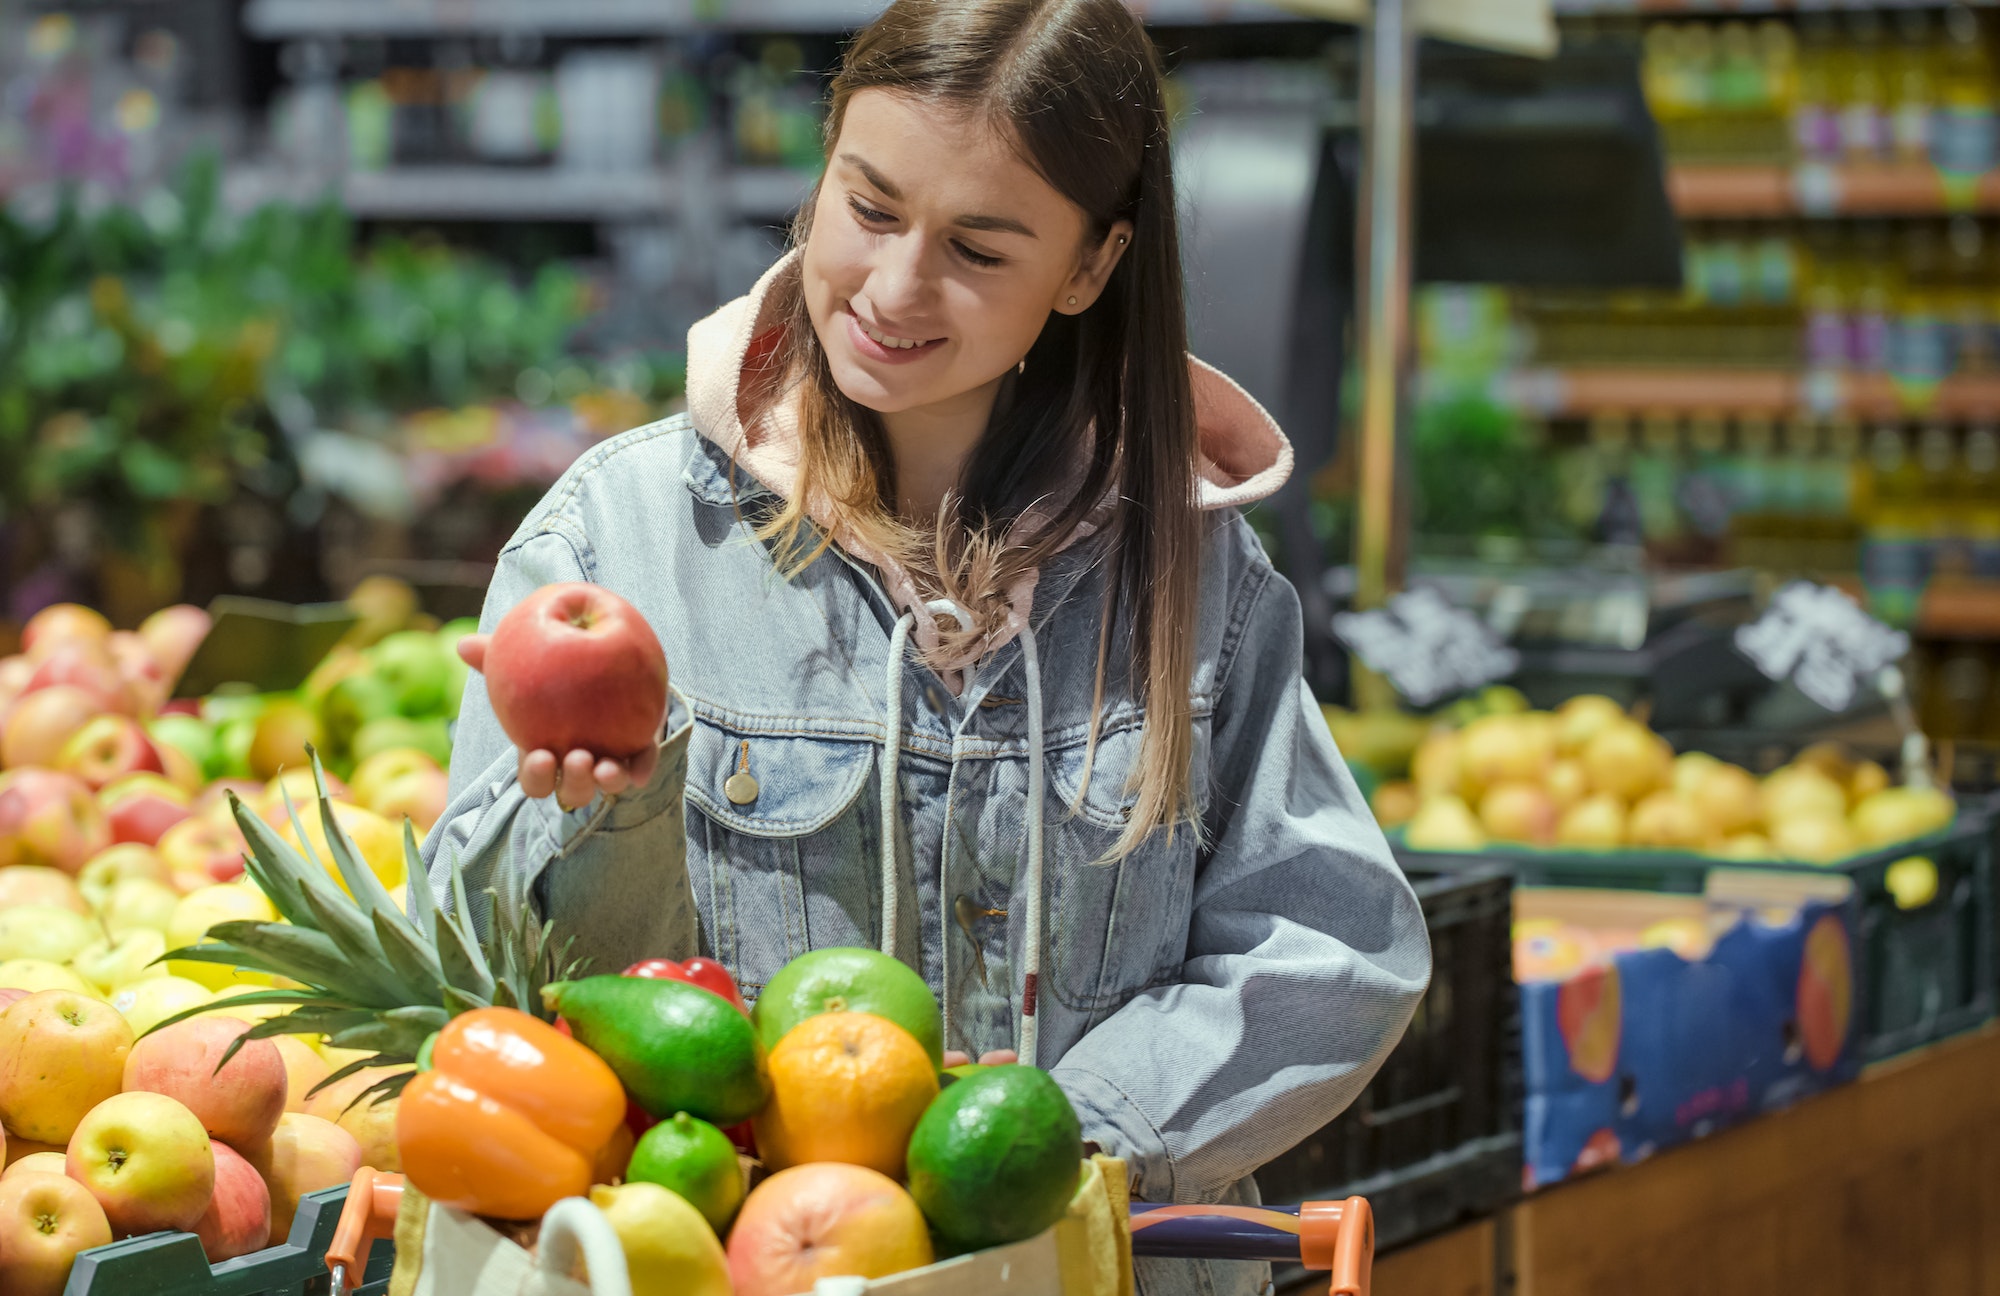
point(1923, 973)
point(1435, 1138)
point(1336, 1238)
point(173, 1264)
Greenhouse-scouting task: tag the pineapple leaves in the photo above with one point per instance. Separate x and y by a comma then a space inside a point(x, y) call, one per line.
point(463, 965)
point(382, 1036)
point(313, 997)
point(414, 963)
point(277, 869)
point(357, 1066)
point(299, 953)
point(367, 889)
point(421, 904)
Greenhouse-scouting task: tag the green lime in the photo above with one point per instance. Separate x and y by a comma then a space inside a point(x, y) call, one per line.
point(849, 980)
point(995, 1157)
point(694, 1159)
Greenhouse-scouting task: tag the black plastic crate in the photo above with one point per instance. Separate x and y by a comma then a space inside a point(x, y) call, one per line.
point(173, 1264)
point(1921, 973)
point(1435, 1138)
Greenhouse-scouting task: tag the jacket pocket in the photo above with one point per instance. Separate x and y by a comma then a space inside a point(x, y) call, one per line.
point(1114, 928)
point(786, 863)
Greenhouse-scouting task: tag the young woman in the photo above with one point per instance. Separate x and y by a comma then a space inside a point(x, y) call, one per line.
point(974, 658)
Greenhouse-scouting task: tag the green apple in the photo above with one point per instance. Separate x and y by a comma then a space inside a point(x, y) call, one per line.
point(431, 737)
point(352, 703)
point(190, 735)
point(110, 964)
point(415, 666)
point(44, 932)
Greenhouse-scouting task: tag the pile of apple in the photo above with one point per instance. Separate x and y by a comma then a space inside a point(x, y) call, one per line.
point(109, 1135)
point(1590, 777)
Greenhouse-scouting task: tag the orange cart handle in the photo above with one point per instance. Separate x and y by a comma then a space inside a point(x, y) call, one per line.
point(1339, 1237)
point(370, 1213)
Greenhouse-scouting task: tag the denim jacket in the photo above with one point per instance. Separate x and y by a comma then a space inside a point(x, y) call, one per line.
point(1205, 1002)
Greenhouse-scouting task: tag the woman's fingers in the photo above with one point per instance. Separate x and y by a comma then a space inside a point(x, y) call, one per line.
point(952, 1058)
point(578, 783)
point(538, 773)
point(999, 1057)
point(612, 777)
point(472, 650)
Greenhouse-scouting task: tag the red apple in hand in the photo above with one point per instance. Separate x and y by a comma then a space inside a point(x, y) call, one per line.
point(574, 667)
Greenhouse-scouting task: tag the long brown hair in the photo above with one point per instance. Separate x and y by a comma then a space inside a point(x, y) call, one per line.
point(1099, 426)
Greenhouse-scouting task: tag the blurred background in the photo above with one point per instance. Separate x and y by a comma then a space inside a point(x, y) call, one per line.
point(1605, 323)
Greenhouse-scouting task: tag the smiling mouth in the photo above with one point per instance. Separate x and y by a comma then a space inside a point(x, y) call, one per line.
point(891, 341)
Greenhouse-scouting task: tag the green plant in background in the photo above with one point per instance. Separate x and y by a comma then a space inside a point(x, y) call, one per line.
point(1479, 473)
point(156, 357)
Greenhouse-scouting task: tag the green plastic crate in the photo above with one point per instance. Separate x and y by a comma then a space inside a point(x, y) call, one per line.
point(1921, 973)
point(173, 1264)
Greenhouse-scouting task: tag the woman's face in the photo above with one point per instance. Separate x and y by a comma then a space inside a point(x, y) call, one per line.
point(936, 255)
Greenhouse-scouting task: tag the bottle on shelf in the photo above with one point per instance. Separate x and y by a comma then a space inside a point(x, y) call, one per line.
point(1919, 343)
point(1978, 502)
point(1862, 87)
point(1963, 134)
point(1912, 87)
point(1895, 561)
point(1815, 111)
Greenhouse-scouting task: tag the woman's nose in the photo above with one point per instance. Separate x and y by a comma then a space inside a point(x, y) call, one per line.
point(899, 283)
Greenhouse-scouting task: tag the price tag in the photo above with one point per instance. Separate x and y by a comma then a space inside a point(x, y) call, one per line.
point(1821, 640)
point(1427, 648)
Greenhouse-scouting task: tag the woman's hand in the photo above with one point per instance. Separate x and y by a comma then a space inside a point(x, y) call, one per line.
point(578, 776)
point(995, 1057)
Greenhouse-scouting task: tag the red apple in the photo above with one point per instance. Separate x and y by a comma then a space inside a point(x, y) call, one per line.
point(49, 818)
point(41, 722)
point(139, 672)
point(107, 748)
point(199, 853)
point(63, 623)
point(420, 795)
point(88, 667)
point(574, 666)
point(173, 634)
point(147, 1161)
point(15, 672)
point(239, 1104)
point(141, 806)
point(55, 1163)
point(304, 1154)
point(38, 884)
point(45, 1220)
point(9, 996)
point(238, 1218)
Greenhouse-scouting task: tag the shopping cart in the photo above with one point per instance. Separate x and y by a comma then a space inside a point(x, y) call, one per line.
point(1337, 1238)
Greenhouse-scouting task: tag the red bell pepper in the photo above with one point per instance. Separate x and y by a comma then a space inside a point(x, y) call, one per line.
point(706, 973)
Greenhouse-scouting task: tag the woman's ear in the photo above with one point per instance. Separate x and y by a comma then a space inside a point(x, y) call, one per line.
point(1082, 289)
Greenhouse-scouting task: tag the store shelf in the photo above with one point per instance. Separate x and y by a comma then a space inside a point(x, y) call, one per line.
point(1583, 392)
point(275, 19)
point(1725, 8)
point(515, 193)
point(1728, 191)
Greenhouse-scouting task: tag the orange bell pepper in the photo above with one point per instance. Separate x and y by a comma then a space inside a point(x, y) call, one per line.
point(509, 1119)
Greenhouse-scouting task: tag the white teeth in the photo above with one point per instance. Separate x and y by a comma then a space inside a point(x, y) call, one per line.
point(894, 343)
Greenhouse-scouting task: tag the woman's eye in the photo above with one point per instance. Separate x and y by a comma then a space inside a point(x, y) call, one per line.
point(868, 214)
point(976, 258)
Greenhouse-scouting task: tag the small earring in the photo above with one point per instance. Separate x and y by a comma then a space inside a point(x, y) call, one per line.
point(1072, 301)
point(1022, 367)
point(1121, 240)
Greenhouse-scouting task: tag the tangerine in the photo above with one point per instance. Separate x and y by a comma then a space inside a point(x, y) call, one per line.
point(845, 1086)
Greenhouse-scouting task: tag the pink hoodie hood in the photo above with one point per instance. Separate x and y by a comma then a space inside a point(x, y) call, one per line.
point(1243, 456)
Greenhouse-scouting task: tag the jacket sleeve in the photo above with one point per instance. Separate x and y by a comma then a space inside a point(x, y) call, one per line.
point(1307, 951)
point(613, 877)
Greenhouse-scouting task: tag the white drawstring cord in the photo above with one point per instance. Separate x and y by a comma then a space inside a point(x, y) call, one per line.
point(892, 746)
point(1032, 928)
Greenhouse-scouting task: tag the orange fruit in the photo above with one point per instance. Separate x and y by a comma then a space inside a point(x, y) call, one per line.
point(845, 1086)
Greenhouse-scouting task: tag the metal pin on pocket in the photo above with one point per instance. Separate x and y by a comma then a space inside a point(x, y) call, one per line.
point(967, 912)
point(741, 787)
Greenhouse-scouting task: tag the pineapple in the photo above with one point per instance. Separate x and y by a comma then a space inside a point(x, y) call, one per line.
point(368, 976)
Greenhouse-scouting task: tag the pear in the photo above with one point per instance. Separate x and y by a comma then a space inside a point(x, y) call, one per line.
point(1898, 814)
point(1596, 821)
